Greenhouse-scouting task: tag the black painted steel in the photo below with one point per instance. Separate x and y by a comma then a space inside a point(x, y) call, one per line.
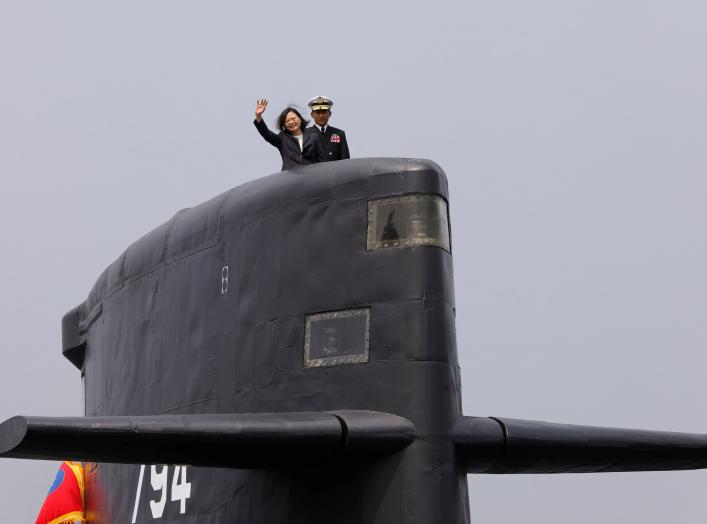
point(491, 445)
point(262, 440)
point(206, 314)
point(192, 347)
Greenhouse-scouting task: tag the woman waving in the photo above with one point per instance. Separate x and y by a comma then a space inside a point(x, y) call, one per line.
point(298, 145)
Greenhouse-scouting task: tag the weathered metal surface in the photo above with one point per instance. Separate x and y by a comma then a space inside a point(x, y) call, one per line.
point(169, 340)
point(292, 325)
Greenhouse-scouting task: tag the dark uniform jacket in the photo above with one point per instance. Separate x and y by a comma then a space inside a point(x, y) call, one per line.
point(334, 142)
point(312, 150)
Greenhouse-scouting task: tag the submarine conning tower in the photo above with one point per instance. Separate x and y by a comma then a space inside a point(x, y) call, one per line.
point(286, 351)
point(323, 288)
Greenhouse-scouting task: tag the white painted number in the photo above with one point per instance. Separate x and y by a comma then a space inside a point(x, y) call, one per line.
point(181, 489)
point(159, 483)
point(137, 493)
point(224, 280)
point(159, 475)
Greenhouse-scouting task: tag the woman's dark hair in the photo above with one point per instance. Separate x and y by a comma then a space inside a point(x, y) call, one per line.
point(280, 122)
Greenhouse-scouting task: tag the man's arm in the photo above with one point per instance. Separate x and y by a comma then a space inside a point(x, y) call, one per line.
point(344, 147)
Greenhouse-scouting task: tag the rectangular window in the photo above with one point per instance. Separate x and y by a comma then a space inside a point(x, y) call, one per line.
point(338, 337)
point(409, 220)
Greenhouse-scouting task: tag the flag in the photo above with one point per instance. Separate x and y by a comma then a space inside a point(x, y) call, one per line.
point(64, 503)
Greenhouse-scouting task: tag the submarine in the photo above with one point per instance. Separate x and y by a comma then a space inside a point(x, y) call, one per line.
point(285, 353)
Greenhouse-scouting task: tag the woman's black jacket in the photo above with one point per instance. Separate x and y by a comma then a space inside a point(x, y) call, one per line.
point(312, 150)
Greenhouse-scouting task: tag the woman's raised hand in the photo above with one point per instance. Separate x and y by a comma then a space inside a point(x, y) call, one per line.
point(260, 109)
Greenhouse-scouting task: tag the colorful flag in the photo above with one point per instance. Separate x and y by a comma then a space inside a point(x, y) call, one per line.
point(64, 503)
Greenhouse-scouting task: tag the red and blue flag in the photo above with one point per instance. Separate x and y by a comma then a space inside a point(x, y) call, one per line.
point(64, 503)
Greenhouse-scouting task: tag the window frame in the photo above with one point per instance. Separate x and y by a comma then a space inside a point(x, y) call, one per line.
point(358, 358)
point(372, 233)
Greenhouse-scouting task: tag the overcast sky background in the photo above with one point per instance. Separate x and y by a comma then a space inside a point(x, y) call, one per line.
point(573, 134)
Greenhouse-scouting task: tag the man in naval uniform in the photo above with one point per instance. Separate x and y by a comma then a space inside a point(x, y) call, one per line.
point(333, 139)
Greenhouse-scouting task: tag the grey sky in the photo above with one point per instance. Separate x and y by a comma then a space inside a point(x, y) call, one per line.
point(573, 134)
